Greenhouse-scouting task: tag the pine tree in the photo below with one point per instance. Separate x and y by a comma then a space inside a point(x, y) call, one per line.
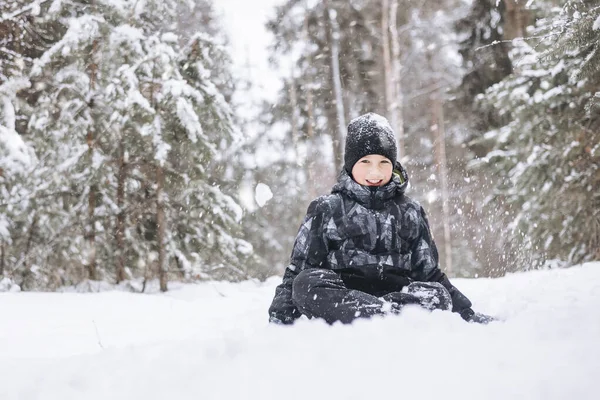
point(127, 128)
point(485, 55)
point(25, 34)
point(16, 162)
point(546, 153)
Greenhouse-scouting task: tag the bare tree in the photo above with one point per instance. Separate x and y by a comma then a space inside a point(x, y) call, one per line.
point(387, 61)
point(310, 153)
point(439, 135)
point(310, 123)
point(397, 109)
point(334, 31)
point(294, 122)
point(392, 67)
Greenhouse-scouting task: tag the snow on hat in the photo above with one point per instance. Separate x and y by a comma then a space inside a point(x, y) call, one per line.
point(369, 134)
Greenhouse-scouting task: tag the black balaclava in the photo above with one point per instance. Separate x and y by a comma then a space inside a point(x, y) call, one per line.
point(369, 134)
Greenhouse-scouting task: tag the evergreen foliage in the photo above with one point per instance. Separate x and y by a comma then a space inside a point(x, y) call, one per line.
point(484, 52)
point(126, 125)
point(121, 155)
point(546, 153)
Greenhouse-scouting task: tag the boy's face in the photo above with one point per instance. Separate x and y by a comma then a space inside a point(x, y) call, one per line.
point(372, 170)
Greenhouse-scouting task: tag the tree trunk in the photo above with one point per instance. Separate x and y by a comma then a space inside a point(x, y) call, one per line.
point(91, 224)
point(294, 122)
point(295, 131)
point(91, 231)
point(161, 227)
point(26, 267)
point(439, 134)
point(311, 150)
point(333, 36)
point(2, 257)
point(387, 61)
point(310, 123)
point(397, 107)
point(516, 18)
point(120, 226)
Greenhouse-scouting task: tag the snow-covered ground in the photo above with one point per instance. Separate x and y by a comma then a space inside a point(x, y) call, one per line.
point(212, 341)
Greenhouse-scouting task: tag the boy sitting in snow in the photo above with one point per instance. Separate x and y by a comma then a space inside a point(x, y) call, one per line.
point(366, 248)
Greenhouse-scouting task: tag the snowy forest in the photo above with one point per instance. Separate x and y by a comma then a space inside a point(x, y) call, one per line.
point(128, 154)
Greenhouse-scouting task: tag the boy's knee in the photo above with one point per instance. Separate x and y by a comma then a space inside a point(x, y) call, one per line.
point(432, 295)
point(310, 279)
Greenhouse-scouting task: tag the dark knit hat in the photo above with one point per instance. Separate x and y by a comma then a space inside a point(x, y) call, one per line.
point(369, 134)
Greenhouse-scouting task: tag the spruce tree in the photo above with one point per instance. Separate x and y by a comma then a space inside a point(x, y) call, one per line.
point(126, 128)
point(546, 152)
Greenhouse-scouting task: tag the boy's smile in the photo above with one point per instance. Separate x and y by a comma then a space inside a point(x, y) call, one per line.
point(372, 170)
point(374, 182)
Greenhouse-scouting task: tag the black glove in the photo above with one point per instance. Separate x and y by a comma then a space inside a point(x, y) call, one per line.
point(280, 320)
point(471, 316)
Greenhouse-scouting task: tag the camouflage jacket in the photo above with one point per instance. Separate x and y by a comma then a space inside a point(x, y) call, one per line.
point(377, 239)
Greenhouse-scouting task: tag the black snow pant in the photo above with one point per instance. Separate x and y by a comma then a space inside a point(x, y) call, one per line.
point(321, 293)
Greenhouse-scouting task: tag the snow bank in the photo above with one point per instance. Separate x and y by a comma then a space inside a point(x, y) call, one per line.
point(212, 341)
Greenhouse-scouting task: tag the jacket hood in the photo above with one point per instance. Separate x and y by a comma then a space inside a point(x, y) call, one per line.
point(372, 197)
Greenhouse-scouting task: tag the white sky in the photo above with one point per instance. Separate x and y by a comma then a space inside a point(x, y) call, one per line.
point(245, 23)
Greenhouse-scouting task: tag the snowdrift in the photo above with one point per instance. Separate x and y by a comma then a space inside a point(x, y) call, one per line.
point(212, 341)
